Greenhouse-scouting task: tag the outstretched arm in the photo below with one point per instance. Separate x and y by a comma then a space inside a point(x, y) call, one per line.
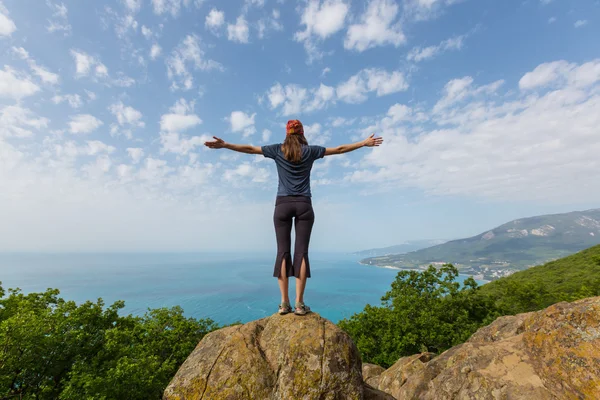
point(242, 148)
point(345, 148)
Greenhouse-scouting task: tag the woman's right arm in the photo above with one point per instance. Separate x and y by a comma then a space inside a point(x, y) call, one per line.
point(371, 141)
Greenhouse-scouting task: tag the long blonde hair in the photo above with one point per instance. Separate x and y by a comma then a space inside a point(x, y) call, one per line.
point(292, 147)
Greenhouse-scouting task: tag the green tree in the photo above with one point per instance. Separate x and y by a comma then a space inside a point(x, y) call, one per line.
point(423, 311)
point(55, 349)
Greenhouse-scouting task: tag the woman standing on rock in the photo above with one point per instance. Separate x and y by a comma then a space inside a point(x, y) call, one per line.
point(294, 159)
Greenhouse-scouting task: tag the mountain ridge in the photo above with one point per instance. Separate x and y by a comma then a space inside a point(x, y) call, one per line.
point(513, 246)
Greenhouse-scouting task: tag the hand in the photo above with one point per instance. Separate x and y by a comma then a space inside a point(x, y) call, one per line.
point(215, 144)
point(372, 141)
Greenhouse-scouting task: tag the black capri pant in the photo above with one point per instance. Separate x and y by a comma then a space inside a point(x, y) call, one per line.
point(298, 208)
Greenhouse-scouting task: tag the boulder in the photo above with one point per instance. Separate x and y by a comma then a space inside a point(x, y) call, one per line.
point(371, 374)
point(549, 354)
point(278, 357)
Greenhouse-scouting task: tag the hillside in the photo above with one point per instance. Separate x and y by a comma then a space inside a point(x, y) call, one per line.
point(411, 245)
point(514, 246)
point(573, 277)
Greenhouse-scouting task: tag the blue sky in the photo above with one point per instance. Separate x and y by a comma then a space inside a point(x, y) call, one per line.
point(489, 111)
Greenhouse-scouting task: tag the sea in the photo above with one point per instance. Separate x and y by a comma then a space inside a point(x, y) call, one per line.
point(226, 288)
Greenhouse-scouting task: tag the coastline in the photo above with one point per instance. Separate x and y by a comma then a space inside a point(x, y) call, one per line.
point(484, 281)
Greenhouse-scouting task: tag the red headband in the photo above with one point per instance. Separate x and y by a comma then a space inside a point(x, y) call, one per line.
point(294, 127)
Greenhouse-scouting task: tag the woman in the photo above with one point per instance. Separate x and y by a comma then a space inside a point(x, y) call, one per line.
point(294, 159)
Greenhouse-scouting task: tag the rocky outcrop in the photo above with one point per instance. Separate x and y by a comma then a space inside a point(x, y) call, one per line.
point(550, 354)
point(279, 357)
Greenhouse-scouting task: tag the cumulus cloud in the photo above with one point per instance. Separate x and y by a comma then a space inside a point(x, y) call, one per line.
point(580, 23)
point(126, 115)
point(59, 21)
point(239, 31)
point(180, 118)
point(188, 54)
point(20, 122)
point(246, 173)
point(295, 99)
point(539, 145)
point(214, 20)
point(45, 75)
point(136, 154)
point(560, 73)
point(83, 124)
point(382, 82)
point(15, 85)
point(172, 7)
point(321, 19)
point(377, 27)
point(85, 64)
point(418, 54)
point(425, 9)
point(7, 26)
point(74, 100)
point(242, 122)
point(155, 51)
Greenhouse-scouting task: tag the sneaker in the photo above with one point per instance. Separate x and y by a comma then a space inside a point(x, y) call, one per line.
point(301, 309)
point(284, 308)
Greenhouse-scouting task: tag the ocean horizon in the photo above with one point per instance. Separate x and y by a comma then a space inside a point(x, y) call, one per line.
point(225, 287)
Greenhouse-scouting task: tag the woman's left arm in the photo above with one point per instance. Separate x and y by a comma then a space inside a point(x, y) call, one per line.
point(242, 148)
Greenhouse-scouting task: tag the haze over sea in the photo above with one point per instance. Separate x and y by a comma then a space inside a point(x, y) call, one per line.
point(224, 287)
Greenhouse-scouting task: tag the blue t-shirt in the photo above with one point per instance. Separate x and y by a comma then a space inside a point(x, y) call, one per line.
point(294, 179)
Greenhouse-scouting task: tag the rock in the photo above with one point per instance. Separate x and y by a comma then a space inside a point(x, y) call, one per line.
point(394, 379)
point(371, 374)
point(370, 393)
point(549, 354)
point(278, 357)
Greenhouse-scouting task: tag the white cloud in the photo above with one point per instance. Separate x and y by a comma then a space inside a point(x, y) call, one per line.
point(315, 135)
point(266, 135)
point(133, 5)
point(559, 73)
point(269, 23)
point(74, 100)
point(127, 115)
point(188, 52)
point(580, 23)
point(135, 153)
point(376, 27)
point(95, 147)
point(242, 122)
point(173, 142)
point(551, 20)
point(245, 173)
point(180, 118)
point(14, 85)
point(155, 51)
point(239, 31)
point(214, 20)
point(325, 71)
point(45, 75)
point(535, 146)
point(425, 9)
point(458, 90)
point(59, 21)
point(295, 99)
point(418, 54)
point(7, 26)
point(83, 124)
point(147, 32)
point(321, 19)
point(355, 89)
point(17, 121)
point(84, 64)
point(173, 6)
